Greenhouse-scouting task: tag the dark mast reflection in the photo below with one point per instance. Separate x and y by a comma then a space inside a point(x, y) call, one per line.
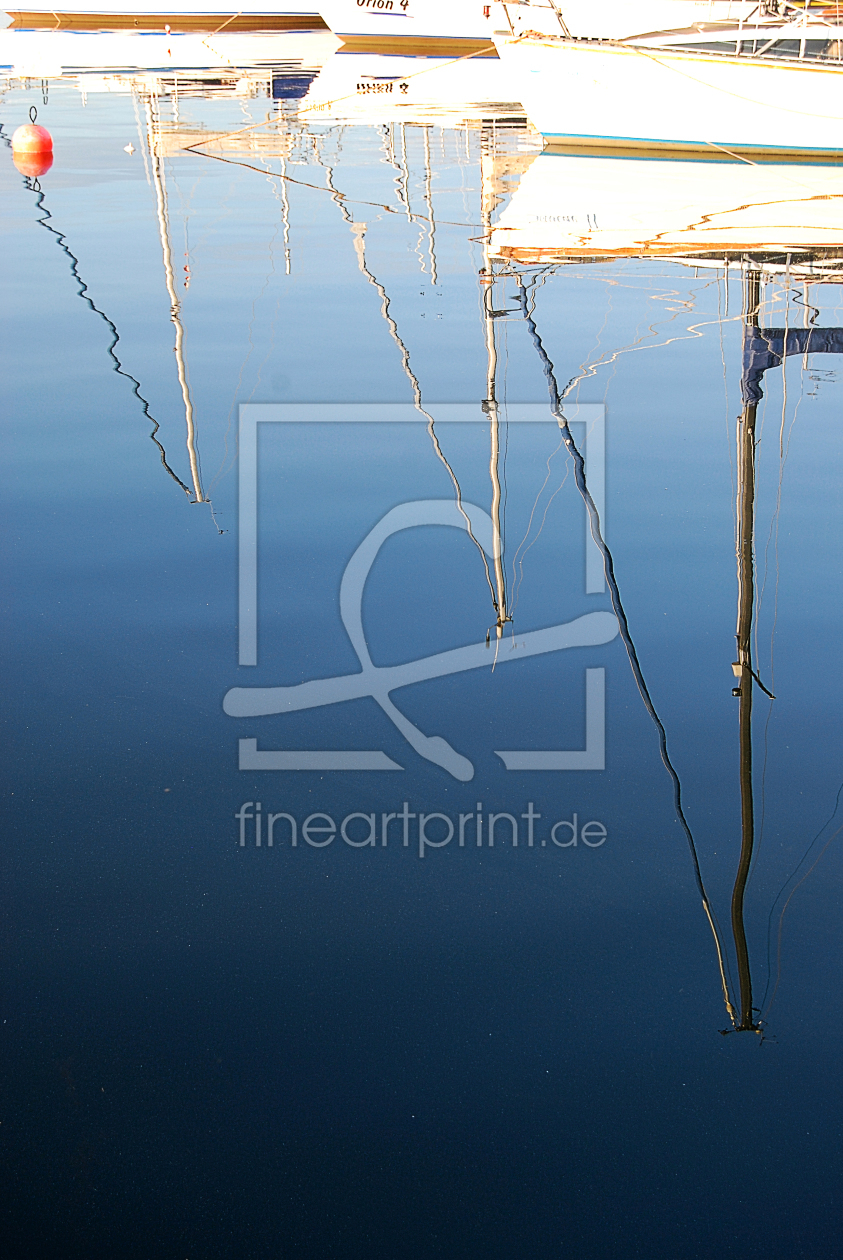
point(763, 348)
point(743, 666)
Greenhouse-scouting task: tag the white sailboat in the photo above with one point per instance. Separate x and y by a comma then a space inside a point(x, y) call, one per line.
point(772, 86)
point(467, 26)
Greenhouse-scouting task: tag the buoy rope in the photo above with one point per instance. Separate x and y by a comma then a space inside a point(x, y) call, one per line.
point(34, 186)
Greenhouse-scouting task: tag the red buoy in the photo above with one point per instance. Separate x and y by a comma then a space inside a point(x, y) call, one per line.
point(37, 163)
point(32, 139)
point(32, 148)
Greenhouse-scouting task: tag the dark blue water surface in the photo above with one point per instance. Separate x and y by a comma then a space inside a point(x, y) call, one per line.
point(220, 1051)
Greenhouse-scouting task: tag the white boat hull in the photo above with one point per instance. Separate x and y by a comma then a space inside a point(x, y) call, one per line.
point(387, 25)
point(623, 96)
point(179, 16)
point(383, 25)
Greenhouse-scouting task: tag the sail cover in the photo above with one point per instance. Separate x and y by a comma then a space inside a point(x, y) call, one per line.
point(765, 348)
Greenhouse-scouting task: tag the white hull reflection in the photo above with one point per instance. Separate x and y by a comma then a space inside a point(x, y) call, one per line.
point(643, 97)
point(49, 54)
point(575, 205)
point(368, 88)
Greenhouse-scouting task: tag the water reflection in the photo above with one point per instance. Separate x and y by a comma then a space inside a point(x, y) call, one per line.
point(367, 87)
point(33, 185)
point(278, 241)
point(760, 219)
point(763, 349)
point(569, 206)
point(532, 211)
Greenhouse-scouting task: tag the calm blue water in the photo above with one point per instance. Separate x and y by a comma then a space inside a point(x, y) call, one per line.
point(216, 1050)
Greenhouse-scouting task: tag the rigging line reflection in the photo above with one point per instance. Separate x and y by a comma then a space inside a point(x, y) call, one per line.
point(811, 314)
point(141, 138)
point(695, 331)
point(773, 536)
point(359, 232)
point(303, 183)
point(520, 556)
point(617, 604)
point(34, 186)
point(833, 836)
point(792, 875)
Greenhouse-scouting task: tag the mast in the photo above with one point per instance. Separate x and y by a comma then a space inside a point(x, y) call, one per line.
point(175, 303)
point(742, 667)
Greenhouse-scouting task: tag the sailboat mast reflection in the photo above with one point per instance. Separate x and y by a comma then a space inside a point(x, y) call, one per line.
point(359, 233)
point(743, 666)
point(490, 406)
point(158, 179)
point(763, 348)
point(499, 160)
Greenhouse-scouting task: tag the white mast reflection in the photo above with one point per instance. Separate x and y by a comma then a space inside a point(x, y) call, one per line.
point(175, 304)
